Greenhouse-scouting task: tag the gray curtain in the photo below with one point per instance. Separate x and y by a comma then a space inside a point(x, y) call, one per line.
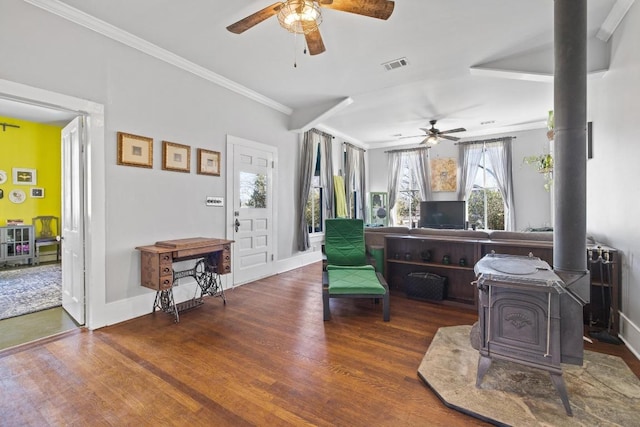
point(499, 154)
point(419, 162)
point(354, 174)
point(469, 159)
point(360, 186)
point(326, 173)
point(393, 181)
point(308, 158)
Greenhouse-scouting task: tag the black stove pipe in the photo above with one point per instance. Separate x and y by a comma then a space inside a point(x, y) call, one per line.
point(570, 150)
point(570, 170)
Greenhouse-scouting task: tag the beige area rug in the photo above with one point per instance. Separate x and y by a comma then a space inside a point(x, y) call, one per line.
point(602, 392)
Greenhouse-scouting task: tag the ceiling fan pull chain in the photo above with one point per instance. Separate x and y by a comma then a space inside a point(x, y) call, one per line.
point(295, 50)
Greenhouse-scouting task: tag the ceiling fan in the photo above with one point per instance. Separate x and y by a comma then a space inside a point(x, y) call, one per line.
point(304, 16)
point(433, 135)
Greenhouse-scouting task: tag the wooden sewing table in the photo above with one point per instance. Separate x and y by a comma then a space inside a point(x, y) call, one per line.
point(157, 273)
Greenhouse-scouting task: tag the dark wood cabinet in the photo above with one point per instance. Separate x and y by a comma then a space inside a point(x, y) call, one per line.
point(425, 254)
point(451, 258)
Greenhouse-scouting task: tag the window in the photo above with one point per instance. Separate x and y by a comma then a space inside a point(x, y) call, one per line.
point(408, 202)
point(313, 209)
point(253, 190)
point(485, 204)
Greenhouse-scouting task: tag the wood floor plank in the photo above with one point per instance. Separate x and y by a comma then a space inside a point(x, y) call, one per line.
point(265, 358)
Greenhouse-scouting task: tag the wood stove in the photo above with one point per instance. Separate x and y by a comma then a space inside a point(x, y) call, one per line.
point(527, 315)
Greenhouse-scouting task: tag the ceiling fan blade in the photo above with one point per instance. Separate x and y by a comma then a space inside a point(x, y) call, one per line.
point(425, 130)
point(453, 130)
point(244, 24)
point(381, 9)
point(451, 138)
point(314, 40)
point(411, 136)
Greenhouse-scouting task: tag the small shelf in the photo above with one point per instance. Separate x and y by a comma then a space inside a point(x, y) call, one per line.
point(404, 255)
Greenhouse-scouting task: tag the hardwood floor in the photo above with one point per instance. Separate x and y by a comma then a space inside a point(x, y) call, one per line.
point(266, 358)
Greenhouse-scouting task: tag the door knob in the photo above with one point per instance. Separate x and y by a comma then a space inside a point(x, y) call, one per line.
point(237, 224)
point(59, 238)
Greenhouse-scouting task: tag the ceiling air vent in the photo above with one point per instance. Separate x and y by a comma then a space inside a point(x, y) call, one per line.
point(396, 63)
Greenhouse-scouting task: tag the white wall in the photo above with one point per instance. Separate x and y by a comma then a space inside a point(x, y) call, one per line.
point(145, 96)
point(531, 199)
point(613, 176)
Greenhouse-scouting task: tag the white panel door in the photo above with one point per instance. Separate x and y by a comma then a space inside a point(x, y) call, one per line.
point(73, 290)
point(252, 218)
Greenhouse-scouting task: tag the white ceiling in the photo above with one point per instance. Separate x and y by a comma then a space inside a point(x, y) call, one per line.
point(441, 39)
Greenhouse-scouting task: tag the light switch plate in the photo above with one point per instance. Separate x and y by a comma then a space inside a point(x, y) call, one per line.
point(215, 201)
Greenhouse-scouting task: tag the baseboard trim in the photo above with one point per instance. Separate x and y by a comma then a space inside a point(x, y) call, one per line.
point(130, 308)
point(630, 334)
point(298, 261)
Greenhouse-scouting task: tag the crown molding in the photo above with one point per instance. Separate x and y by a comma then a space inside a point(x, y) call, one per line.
point(83, 19)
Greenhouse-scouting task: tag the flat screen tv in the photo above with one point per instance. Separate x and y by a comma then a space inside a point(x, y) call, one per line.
point(441, 214)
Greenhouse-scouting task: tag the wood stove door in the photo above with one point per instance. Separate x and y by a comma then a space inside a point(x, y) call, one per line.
point(519, 325)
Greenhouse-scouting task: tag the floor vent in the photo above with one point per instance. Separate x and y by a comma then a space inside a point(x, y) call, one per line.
point(396, 63)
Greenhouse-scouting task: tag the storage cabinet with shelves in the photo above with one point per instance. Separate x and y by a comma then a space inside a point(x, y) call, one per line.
point(452, 258)
point(16, 244)
point(405, 254)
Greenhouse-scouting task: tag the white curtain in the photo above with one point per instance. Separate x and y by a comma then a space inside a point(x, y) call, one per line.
point(499, 154)
point(419, 162)
point(470, 156)
point(393, 181)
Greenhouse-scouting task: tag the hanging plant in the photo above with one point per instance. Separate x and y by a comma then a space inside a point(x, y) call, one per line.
point(550, 126)
point(544, 165)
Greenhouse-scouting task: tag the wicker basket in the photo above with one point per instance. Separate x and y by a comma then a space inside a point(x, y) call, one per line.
point(425, 286)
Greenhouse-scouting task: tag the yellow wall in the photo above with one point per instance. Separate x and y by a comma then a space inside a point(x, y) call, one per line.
point(32, 146)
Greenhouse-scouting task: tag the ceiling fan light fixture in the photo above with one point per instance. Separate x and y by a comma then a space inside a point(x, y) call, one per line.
point(432, 139)
point(300, 16)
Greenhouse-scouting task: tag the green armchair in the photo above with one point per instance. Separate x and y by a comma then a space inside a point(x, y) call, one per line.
point(347, 273)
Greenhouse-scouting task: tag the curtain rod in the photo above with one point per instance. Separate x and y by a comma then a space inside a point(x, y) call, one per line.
point(6, 125)
point(354, 146)
point(407, 150)
point(482, 141)
point(319, 132)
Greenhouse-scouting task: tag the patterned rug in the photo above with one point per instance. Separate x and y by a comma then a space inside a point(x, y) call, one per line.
point(30, 289)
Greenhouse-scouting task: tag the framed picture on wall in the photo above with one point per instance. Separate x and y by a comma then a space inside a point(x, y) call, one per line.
point(444, 174)
point(37, 193)
point(176, 157)
point(135, 150)
point(378, 209)
point(23, 176)
point(208, 162)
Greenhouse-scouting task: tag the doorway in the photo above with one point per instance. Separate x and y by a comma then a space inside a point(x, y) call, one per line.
point(250, 177)
point(31, 274)
point(90, 183)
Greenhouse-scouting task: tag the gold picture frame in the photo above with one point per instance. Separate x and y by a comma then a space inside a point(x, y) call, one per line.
point(444, 174)
point(208, 162)
point(135, 150)
point(176, 157)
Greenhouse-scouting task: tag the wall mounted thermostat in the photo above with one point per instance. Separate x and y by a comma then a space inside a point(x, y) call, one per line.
point(215, 201)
